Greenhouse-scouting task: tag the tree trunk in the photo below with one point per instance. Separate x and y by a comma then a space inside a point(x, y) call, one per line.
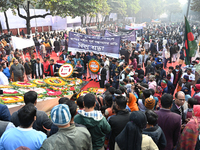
point(82, 21)
point(28, 26)
point(28, 23)
point(86, 19)
point(90, 21)
point(7, 24)
point(1, 30)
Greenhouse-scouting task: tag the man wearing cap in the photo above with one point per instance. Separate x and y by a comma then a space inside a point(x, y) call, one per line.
point(68, 136)
point(94, 121)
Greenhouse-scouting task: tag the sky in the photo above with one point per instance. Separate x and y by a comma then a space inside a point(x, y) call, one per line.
point(183, 1)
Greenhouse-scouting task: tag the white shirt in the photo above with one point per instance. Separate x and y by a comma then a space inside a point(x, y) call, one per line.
point(100, 73)
point(3, 79)
point(172, 77)
point(191, 76)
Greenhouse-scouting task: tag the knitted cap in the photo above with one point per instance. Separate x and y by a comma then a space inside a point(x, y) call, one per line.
point(60, 115)
point(149, 103)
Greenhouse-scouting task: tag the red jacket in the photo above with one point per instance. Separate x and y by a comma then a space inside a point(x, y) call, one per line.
point(45, 66)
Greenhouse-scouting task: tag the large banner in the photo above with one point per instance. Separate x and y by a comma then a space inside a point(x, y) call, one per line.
point(20, 43)
point(138, 25)
point(135, 28)
point(108, 46)
point(94, 32)
point(126, 37)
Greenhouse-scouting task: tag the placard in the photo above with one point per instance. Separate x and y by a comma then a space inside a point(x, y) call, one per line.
point(65, 70)
point(94, 66)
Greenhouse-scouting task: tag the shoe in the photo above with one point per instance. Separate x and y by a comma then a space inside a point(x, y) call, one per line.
point(84, 78)
point(97, 81)
point(94, 79)
point(91, 79)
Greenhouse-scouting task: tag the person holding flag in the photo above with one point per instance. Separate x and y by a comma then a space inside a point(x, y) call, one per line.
point(190, 43)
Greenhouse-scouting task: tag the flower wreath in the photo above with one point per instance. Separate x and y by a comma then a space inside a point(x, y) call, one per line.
point(11, 92)
point(24, 84)
point(63, 89)
point(97, 90)
point(39, 82)
point(94, 66)
point(5, 86)
point(54, 81)
point(12, 99)
point(37, 90)
point(83, 93)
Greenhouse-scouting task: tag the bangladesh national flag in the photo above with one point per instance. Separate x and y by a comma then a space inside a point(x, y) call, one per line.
point(190, 43)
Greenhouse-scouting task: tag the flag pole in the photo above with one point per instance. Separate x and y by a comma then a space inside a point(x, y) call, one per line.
point(188, 8)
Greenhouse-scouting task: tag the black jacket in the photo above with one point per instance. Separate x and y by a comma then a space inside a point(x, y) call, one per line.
point(179, 76)
point(28, 68)
point(38, 69)
point(42, 120)
point(49, 70)
point(157, 135)
point(117, 124)
point(103, 74)
point(80, 72)
point(140, 72)
point(149, 69)
point(176, 110)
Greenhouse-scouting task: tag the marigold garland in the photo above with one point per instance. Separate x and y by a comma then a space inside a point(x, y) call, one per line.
point(24, 84)
point(83, 93)
point(54, 81)
point(39, 82)
point(5, 86)
point(12, 99)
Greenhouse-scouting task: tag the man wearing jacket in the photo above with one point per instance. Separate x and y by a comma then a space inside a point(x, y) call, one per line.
point(169, 122)
point(94, 121)
point(68, 136)
point(118, 121)
point(102, 76)
point(42, 120)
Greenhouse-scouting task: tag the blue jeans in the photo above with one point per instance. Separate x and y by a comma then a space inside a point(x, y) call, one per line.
point(165, 62)
point(37, 49)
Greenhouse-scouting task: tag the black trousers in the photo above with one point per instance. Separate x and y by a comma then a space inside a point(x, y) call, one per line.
point(101, 82)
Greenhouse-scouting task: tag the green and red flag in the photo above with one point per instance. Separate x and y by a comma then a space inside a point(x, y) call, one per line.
point(190, 43)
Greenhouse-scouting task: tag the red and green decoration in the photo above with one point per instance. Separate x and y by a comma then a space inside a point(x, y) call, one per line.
point(190, 43)
point(94, 66)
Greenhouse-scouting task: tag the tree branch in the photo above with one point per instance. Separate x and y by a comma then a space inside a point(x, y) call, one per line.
point(40, 16)
point(19, 14)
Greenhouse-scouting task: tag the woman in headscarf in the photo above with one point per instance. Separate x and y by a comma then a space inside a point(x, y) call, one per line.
point(164, 86)
point(131, 137)
point(12, 62)
point(190, 133)
point(134, 63)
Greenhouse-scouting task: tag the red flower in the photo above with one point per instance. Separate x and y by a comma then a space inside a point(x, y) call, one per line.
point(72, 88)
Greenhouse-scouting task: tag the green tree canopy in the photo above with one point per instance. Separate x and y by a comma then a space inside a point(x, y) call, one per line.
point(195, 5)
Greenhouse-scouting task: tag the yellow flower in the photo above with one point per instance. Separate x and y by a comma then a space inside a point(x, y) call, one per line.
point(54, 81)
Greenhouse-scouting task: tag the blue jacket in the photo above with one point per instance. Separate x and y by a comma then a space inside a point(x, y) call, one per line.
point(6, 71)
point(4, 113)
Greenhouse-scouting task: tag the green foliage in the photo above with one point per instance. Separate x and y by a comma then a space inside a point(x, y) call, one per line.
point(172, 6)
point(133, 7)
point(195, 5)
point(118, 6)
point(150, 8)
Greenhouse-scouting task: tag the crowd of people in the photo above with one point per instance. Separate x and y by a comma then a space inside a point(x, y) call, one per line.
point(149, 103)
